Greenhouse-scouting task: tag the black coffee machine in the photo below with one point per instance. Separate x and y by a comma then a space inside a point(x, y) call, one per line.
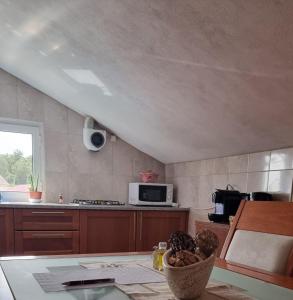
point(226, 204)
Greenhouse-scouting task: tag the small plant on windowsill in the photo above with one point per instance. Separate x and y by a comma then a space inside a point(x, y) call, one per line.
point(35, 196)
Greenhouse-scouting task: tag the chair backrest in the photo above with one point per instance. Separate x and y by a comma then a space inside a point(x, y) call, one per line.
point(261, 236)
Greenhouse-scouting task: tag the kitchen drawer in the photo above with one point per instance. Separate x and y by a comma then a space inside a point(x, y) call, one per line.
point(46, 242)
point(46, 219)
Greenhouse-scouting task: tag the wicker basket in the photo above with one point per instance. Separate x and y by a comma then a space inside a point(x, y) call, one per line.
point(190, 281)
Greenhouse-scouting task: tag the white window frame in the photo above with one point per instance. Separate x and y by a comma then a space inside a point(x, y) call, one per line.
point(36, 130)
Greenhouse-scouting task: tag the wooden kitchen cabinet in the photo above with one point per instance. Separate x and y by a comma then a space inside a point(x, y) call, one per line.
point(107, 231)
point(40, 231)
point(156, 226)
point(46, 242)
point(6, 232)
point(46, 219)
point(46, 231)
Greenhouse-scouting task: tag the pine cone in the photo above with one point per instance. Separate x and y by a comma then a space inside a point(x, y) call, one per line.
point(181, 241)
point(207, 242)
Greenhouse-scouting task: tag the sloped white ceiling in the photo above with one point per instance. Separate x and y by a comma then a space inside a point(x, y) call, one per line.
point(179, 79)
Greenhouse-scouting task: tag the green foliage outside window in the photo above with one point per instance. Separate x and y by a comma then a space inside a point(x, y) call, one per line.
point(15, 168)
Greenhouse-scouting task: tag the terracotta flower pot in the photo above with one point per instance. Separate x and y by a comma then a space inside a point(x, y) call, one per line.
point(190, 281)
point(35, 197)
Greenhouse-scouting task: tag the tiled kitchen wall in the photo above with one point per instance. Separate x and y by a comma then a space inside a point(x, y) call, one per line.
point(195, 181)
point(69, 167)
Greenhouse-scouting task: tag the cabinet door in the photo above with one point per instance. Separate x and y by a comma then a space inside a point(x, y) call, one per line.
point(6, 232)
point(156, 226)
point(107, 231)
point(46, 242)
point(46, 219)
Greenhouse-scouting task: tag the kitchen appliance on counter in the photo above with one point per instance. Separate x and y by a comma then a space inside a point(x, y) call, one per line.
point(261, 196)
point(97, 202)
point(151, 194)
point(226, 204)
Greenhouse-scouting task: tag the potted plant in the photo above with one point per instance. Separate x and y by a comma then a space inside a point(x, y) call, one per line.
point(35, 196)
point(189, 263)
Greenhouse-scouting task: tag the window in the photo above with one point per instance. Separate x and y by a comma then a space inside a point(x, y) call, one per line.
point(20, 156)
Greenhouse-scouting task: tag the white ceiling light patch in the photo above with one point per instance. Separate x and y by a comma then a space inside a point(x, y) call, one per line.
point(87, 77)
point(33, 27)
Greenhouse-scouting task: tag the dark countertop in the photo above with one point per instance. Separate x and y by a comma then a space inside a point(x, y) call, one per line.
point(93, 207)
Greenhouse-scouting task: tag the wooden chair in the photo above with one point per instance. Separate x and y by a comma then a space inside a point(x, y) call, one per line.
point(264, 223)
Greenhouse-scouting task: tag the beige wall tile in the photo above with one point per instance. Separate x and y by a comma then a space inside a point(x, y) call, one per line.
point(79, 162)
point(30, 103)
point(101, 187)
point(239, 181)
point(120, 188)
point(221, 165)
point(257, 182)
point(79, 186)
point(238, 164)
point(123, 157)
point(220, 181)
point(102, 162)
point(8, 101)
point(280, 183)
point(282, 159)
point(180, 169)
point(55, 115)
point(207, 166)
point(56, 183)
point(259, 161)
point(75, 143)
point(193, 168)
point(56, 151)
point(186, 191)
point(169, 170)
point(205, 191)
point(75, 122)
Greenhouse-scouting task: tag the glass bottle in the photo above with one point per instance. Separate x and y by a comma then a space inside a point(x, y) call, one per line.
point(158, 256)
point(60, 199)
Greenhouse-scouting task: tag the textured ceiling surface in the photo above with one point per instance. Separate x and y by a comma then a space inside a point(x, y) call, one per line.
point(178, 79)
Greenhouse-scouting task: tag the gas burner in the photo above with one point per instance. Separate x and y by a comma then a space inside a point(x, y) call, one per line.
point(96, 202)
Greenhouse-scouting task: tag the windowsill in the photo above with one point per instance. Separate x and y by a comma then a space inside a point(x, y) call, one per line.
point(14, 197)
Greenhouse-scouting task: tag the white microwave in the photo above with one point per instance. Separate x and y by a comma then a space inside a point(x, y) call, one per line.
point(154, 194)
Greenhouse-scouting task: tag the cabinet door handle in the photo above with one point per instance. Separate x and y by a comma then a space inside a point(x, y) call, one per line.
point(47, 235)
point(47, 212)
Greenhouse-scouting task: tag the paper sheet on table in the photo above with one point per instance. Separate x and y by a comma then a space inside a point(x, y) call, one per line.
point(102, 264)
point(52, 282)
point(65, 268)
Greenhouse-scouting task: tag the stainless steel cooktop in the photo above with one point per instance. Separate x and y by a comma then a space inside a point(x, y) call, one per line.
point(96, 202)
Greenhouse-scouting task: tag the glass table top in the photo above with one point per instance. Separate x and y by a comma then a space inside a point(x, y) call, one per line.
point(19, 272)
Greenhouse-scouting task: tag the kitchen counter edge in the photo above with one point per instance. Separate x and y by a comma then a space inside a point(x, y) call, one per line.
point(88, 207)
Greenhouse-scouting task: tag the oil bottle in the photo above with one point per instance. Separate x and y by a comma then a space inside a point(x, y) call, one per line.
point(158, 255)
